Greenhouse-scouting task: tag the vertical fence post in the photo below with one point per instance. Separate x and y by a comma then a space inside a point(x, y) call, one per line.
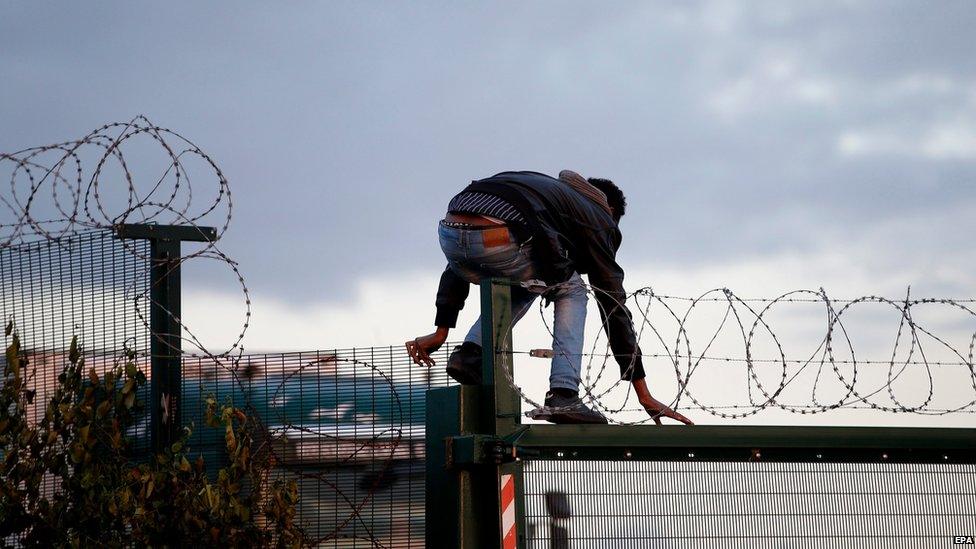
point(166, 376)
point(442, 495)
point(165, 379)
point(502, 404)
point(502, 409)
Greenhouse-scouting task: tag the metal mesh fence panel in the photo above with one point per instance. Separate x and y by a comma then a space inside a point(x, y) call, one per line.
point(346, 424)
point(89, 285)
point(581, 504)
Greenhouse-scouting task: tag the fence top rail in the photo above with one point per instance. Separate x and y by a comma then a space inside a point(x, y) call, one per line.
point(149, 231)
point(731, 436)
point(749, 443)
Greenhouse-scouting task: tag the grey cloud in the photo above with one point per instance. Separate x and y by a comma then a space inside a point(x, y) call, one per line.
point(346, 127)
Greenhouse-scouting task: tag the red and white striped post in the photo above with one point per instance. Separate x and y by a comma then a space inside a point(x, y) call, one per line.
point(507, 509)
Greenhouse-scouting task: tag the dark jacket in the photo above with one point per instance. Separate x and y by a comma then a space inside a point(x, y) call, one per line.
point(569, 233)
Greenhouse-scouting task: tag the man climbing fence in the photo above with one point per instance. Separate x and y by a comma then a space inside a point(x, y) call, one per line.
point(544, 233)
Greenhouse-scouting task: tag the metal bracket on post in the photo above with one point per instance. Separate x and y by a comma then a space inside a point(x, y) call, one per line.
point(166, 379)
point(466, 450)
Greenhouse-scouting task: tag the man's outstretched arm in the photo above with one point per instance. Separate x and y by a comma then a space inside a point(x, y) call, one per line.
point(607, 279)
point(451, 293)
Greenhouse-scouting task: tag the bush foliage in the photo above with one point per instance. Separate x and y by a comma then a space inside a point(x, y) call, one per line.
point(69, 478)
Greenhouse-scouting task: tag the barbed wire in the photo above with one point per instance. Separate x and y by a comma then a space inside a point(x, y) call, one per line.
point(57, 172)
point(750, 323)
point(46, 169)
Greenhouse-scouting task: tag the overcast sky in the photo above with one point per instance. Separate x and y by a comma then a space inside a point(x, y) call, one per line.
point(762, 146)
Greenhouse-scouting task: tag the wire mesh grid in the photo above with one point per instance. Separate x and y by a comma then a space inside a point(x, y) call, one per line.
point(346, 424)
point(90, 285)
point(582, 504)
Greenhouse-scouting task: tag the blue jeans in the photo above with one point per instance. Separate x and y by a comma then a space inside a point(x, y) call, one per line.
point(469, 257)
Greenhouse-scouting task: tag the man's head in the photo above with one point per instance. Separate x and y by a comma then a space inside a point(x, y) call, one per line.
point(615, 197)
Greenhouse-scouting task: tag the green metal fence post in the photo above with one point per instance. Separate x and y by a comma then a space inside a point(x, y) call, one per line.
point(465, 460)
point(442, 497)
point(501, 398)
point(496, 315)
point(458, 482)
point(166, 378)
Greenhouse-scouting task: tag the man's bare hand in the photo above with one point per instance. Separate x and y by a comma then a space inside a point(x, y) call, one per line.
point(658, 409)
point(420, 348)
point(655, 407)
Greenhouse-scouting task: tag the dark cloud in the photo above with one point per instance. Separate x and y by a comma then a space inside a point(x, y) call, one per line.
point(736, 129)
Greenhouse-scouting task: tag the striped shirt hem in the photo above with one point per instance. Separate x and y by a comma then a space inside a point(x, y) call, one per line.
point(484, 204)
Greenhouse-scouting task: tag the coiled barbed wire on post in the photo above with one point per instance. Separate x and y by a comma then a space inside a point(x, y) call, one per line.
point(749, 319)
point(42, 178)
point(64, 190)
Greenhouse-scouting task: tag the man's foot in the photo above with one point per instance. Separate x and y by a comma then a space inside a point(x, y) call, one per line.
point(566, 409)
point(464, 365)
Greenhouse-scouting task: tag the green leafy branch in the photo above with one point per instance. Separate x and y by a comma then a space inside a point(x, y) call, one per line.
point(71, 478)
